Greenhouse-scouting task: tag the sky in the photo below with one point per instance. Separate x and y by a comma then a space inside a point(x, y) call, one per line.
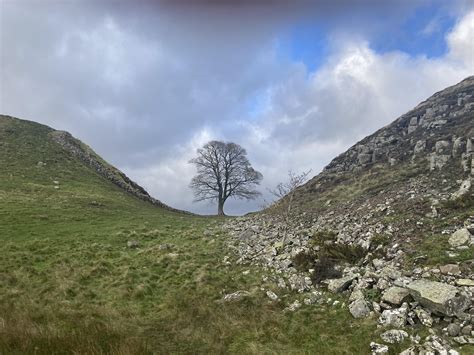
point(146, 83)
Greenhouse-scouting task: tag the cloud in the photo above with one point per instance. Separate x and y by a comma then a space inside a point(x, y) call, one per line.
point(146, 84)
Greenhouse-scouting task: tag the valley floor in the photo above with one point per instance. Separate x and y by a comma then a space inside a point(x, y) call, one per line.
point(70, 284)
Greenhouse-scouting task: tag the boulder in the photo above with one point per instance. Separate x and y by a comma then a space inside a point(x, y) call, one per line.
point(396, 318)
point(459, 238)
point(341, 284)
point(439, 297)
point(424, 317)
point(454, 330)
point(394, 336)
point(465, 282)
point(413, 125)
point(378, 348)
point(450, 269)
point(420, 146)
point(359, 308)
point(396, 295)
point(463, 189)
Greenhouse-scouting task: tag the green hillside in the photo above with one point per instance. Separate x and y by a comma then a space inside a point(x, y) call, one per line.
point(70, 284)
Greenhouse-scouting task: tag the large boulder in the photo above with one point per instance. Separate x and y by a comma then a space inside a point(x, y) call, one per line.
point(439, 297)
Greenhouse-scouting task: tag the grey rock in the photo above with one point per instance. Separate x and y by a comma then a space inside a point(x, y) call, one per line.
point(420, 147)
point(442, 147)
point(394, 336)
point(458, 146)
point(439, 297)
point(464, 340)
point(235, 296)
point(378, 348)
point(396, 295)
point(341, 284)
point(424, 317)
point(396, 318)
point(438, 161)
point(466, 330)
point(356, 295)
point(454, 330)
point(378, 263)
point(450, 269)
point(460, 237)
point(364, 158)
point(133, 244)
point(272, 295)
point(463, 189)
point(293, 306)
point(359, 308)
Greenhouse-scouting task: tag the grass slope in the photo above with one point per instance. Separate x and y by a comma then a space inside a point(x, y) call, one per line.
point(69, 284)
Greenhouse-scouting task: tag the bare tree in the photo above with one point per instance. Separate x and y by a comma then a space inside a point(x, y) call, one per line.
point(224, 171)
point(285, 192)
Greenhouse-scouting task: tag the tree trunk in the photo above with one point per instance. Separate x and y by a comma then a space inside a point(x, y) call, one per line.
point(287, 220)
point(220, 208)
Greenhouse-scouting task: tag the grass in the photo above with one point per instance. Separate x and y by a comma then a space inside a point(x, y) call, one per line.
point(70, 285)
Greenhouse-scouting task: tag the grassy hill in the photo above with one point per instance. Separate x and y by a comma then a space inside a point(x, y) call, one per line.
point(70, 284)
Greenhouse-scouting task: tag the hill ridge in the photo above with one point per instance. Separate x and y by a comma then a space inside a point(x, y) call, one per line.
point(91, 159)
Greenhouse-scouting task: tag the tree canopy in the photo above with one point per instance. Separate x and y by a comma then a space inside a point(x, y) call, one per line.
point(224, 171)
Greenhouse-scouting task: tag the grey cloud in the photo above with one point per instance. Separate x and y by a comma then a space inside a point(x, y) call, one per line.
point(139, 80)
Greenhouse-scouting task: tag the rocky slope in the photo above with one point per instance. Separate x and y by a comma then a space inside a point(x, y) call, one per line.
point(390, 224)
point(11, 126)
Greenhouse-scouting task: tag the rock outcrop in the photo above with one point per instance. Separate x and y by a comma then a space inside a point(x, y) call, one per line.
point(373, 224)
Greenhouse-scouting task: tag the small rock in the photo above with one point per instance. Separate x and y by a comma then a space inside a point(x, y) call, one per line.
point(465, 282)
point(394, 317)
point(236, 296)
point(454, 330)
point(359, 308)
point(339, 285)
point(460, 237)
point(464, 340)
point(466, 330)
point(294, 306)
point(272, 295)
point(396, 295)
point(133, 244)
point(378, 263)
point(378, 348)
point(315, 296)
point(450, 269)
point(394, 336)
point(424, 317)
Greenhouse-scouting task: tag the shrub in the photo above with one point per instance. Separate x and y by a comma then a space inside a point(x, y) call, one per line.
point(343, 253)
point(324, 269)
point(304, 261)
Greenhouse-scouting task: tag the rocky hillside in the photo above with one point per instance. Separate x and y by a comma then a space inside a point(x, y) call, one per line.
point(389, 224)
point(19, 135)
